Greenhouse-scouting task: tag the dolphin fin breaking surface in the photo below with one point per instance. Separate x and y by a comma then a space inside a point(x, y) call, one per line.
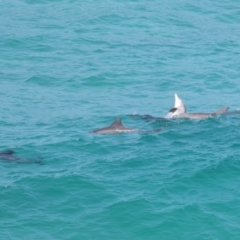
point(118, 127)
point(220, 111)
point(179, 107)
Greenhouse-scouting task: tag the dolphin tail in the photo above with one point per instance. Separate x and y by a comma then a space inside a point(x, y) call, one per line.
point(7, 152)
point(220, 111)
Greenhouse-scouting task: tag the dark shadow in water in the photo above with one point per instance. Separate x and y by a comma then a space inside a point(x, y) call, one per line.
point(9, 156)
point(150, 118)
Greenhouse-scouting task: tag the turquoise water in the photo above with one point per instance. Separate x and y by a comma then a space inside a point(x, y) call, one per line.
point(68, 67)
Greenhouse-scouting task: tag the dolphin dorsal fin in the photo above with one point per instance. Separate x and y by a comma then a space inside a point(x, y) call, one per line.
point(177, 101)
point(8, 152)
point(179, 104)
point(117, 123)
point(220, 111)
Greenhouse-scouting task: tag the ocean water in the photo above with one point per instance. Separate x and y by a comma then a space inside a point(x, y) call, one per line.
point(69, 67)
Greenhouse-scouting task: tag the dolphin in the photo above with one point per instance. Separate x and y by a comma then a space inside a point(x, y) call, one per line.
point(150, 118)
point(202, 115)
point(118, 127)
point(8, 155)
point(179, 107)
point(180, 111)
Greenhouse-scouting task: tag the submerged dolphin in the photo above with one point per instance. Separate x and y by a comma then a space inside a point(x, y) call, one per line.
point(8, 155)
point(117, 127)
point(179, 111)
point(150, 118)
